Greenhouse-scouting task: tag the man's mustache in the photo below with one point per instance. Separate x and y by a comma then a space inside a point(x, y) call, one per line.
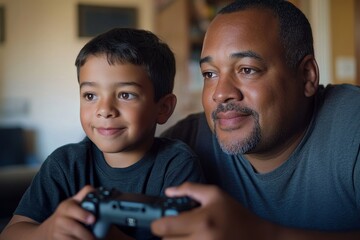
point(225, 107)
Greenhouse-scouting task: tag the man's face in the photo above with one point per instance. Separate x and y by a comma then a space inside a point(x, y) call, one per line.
point(253, 101)
point(117, 107)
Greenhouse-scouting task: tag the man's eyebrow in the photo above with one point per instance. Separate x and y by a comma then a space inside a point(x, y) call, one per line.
point(244, 54)
point(205, 59)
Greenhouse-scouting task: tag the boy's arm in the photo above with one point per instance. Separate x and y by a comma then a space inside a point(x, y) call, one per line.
point(67, 222)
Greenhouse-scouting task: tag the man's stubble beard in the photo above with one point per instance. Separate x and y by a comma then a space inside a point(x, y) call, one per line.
point(236, 145)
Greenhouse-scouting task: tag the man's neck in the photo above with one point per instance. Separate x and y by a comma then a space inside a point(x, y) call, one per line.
point(270, 160)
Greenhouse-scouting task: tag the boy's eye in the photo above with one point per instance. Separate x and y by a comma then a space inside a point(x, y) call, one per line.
point(89, 96)
point(126, 96)
point(208, 74)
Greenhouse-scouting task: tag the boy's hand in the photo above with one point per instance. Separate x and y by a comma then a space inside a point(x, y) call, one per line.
point(67, 222)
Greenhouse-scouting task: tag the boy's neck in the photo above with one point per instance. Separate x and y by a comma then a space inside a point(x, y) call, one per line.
point(127, 158)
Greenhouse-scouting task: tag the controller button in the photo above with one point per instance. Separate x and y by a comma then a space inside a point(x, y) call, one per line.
point(91, 195)
point(89, 206)
point(106, 193)
point(131, 222)
point(171, 212)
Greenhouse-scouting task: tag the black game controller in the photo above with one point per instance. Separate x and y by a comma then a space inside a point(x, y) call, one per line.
point(130, 209)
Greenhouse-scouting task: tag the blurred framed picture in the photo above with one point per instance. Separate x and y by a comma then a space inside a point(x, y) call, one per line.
point(2, 24)
point(95, 19)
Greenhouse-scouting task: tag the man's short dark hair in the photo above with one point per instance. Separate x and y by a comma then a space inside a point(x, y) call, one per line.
point(295, 30)
point(138, 47)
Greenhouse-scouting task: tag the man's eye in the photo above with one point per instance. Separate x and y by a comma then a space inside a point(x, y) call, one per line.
point(247, 71)
point(126, 96)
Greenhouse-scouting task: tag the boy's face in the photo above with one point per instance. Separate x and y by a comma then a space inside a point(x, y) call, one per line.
point(117, 108)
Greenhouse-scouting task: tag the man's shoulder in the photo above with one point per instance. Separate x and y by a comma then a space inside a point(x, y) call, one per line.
point(189, 121)
point(339, 93)
point(340, 100)
point(338, 113)
point(189, 128)
point(171, 148)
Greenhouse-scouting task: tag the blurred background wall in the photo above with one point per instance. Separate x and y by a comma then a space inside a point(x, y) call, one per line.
point(38, 84)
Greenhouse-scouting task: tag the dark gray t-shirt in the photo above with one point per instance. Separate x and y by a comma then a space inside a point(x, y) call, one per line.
point(73, 166)
point(318, 187)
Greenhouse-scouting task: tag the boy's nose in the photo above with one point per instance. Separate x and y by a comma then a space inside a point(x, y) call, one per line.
point(107, 109)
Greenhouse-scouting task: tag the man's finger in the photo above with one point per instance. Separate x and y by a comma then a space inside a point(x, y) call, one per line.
point(199, 192)
point(173, 226)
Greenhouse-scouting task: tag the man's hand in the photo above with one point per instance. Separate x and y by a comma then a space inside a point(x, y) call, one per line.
point(219, 217)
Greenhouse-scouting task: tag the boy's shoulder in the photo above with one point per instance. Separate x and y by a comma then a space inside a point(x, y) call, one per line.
point(69, 156)
point(73, 150)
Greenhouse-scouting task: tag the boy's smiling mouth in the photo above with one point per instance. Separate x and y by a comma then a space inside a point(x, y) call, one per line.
point(109, 131)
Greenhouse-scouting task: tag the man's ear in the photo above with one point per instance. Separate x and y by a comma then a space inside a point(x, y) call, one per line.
point(166, 106)
point(309, 72)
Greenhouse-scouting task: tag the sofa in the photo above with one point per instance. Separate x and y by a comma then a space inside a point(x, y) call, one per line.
point(16, 172)
point(14, 181)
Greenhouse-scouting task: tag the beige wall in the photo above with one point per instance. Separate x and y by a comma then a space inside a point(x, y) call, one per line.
point(342, 15)
point(38, 85)
point(175, 32)
point(334, 39)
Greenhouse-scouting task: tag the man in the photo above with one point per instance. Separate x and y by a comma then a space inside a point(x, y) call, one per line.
point(284, 150)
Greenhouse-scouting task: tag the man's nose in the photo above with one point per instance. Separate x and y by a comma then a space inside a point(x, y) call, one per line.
point(228, 88)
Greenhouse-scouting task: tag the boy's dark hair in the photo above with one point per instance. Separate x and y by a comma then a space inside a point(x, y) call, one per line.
point(295, 30)
point(138, 47)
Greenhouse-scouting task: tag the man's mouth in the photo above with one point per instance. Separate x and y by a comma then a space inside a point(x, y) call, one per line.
point(230, 120)
point(229, 117)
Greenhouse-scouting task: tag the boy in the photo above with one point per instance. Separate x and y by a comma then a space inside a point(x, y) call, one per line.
point(126, 78)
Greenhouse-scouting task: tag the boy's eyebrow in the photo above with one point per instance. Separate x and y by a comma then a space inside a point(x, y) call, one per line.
point(130, 83)
point(244, 54)
point(87, 84)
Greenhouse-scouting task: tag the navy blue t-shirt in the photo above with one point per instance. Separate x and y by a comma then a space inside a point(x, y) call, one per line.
point(69, 168)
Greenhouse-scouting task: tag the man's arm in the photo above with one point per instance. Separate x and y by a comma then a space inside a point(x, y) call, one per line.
point(222, 217)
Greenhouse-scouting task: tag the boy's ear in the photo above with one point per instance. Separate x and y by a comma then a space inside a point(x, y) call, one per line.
point(309, 72)
point(166, 107)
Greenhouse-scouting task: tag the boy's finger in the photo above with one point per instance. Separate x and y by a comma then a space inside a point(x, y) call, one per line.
point(78, 213)
point(82, 193)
